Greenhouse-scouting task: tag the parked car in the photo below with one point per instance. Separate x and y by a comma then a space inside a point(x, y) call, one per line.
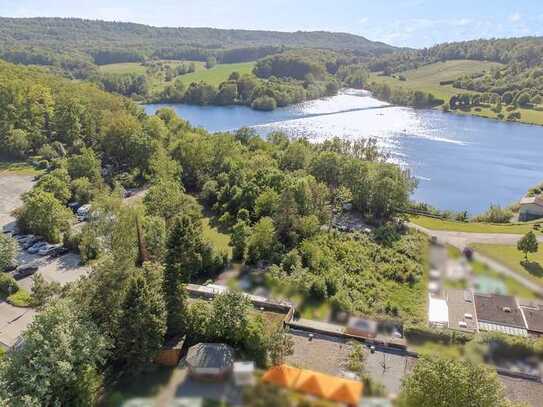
point(10, 267)
point(36, 247)
point(48, 249)
point(59, 251)
point(24, 271)
point(21, 238)
point(31, 242)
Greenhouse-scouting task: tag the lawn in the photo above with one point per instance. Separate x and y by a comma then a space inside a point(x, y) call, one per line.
point(512, 286)
point(218, 74)
point(220, 240)
point(514, 259)
point(427, 78)
point(471, 227)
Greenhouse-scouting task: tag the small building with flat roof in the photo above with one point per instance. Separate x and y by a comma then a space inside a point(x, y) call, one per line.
point(438, 312)
point(461, 310)
point(499, 313)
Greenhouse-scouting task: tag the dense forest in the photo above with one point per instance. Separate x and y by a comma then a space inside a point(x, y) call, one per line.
point(69, 42)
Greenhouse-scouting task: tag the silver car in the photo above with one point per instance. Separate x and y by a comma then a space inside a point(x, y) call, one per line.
point(48, 249)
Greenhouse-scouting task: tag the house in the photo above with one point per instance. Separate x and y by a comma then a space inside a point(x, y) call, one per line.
point(210, 361)
point(499, 313)
point(531, 207)
point(461, 310)
point(532, 311)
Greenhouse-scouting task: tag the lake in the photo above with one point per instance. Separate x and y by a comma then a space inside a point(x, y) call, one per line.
point(461, 162)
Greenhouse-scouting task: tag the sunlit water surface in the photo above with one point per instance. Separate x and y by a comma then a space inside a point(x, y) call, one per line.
point(460, 162)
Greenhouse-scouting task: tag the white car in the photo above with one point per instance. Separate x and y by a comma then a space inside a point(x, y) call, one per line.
point(48, 249)
point(36, 247)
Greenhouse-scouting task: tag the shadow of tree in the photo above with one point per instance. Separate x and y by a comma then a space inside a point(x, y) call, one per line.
point(532, 267)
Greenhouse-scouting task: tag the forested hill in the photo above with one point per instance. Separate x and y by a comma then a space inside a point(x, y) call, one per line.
point(526, 52)
point(107, 42)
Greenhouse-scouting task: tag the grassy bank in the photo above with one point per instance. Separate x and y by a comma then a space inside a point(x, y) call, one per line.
point(427, 78)
point(471, 227)
point(514, 259)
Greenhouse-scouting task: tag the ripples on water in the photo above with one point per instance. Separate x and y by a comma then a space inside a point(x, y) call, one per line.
point(461, 162)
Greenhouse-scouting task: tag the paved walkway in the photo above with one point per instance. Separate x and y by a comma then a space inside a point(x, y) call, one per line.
point(462, 239)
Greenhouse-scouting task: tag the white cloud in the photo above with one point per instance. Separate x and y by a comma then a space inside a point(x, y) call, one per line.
point(515, 17)
point(363, 20)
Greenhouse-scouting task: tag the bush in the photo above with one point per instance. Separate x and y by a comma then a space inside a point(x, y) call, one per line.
point(495, 214)
point(20, 298)
point(265, 103)
point(8, 285)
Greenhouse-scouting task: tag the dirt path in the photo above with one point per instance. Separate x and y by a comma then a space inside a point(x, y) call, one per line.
point(462, 239)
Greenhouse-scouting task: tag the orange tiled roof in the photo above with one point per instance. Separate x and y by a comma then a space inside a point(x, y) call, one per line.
point(282, 375)
point(315, 383)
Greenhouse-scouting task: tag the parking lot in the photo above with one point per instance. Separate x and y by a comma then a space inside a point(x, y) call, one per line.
point(63, 269)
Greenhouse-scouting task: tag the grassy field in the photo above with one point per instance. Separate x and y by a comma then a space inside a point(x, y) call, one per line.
point(471, 227)
point(213, 76)
point(514, 259)
point(217, 74)
point(427, 78)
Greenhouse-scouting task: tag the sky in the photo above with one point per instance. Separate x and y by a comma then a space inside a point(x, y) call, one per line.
point(410, 23)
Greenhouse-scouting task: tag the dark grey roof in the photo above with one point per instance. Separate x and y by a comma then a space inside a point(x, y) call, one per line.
point(460, 303)
point(534, 319)
point(498, 309)
point(211, 356)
